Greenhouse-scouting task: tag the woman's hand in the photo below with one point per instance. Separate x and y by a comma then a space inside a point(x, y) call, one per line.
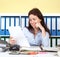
point(12, 41)
point(38, 25)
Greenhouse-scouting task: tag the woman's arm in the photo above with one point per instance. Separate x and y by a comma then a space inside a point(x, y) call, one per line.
point(45, 40)
point(42, 29)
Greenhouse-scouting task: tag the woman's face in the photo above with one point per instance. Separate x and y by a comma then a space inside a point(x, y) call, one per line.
point(33, 19)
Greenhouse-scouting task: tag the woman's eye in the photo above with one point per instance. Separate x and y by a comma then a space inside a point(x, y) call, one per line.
point(30, 20)
point(34, 19)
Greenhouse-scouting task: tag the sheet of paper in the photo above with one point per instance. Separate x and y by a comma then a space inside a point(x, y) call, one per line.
point(19, 36)
point(2, 45)
point(45, 55)
point(31, 48)
point(50, 48)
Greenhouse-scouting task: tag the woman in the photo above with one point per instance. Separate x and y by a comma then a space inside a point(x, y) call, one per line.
point(37, 32)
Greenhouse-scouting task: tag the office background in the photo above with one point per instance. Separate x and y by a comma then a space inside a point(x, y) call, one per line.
point(14, 13)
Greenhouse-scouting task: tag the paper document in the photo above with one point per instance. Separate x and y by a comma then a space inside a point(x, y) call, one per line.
point(2, 45)
point(19, 36)
point(31, 48)
point(50, 48)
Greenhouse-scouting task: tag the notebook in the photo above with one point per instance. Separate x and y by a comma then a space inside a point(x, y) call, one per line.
point(19, 36)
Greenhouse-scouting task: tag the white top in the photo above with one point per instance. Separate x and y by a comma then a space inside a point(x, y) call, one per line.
point(38, 39)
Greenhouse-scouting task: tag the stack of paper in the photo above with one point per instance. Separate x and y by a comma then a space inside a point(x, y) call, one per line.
point(32, 48)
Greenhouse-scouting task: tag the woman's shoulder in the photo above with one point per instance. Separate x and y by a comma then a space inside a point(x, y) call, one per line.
point(47, 34)
point(25, 29)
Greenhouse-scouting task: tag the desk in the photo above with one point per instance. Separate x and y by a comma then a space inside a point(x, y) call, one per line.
point(39, 54)
point(4, 36)
point(47, 54)
point(54, 37)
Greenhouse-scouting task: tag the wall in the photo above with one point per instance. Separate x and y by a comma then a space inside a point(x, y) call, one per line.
point(23, 6)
